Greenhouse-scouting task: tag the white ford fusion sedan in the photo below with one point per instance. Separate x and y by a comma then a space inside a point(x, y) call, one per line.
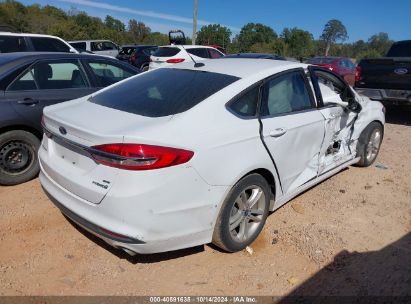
point(188, 155)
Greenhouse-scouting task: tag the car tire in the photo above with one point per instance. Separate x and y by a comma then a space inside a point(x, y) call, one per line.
point(18, 157)
point(369, 144)
point(144, 68)
point(242, 214)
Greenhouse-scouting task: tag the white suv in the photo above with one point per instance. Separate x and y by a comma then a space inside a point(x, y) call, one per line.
point(172, 54)
point(18, 42)
point(100, 47)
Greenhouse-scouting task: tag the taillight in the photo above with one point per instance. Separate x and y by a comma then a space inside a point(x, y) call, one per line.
point(175, 60)
point(133, 58)
point(357, 73)
point(139, 156)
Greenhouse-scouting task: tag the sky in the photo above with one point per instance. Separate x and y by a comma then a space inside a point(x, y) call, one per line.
point(362, 18)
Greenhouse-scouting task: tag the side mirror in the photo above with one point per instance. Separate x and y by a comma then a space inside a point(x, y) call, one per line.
point(354, 106)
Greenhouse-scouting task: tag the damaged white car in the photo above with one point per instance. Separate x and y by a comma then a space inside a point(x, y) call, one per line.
point(199, 153)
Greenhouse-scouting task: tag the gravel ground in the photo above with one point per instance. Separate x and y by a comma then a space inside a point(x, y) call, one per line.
point(349, 235)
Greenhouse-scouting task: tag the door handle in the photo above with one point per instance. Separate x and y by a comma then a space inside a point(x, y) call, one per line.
point(28, 101)
point(278, 132)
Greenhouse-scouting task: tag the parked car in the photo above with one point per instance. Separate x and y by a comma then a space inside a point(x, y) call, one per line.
point(190, 154)
point(31, 81)
point(16, 42)
point(340, 65)
point(255, 56)
point(387, 79)
point(99, 47)
point(137, 55)
point(172, 54)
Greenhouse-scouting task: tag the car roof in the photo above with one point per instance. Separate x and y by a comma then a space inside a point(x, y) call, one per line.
point(10, 60)
point(252, 55)
point(27, 35)
point(188, 46)
point(241, 67)
point(93, 40)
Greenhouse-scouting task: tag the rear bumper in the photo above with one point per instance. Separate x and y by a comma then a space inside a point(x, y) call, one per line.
point(145, 220)
point(387, 96)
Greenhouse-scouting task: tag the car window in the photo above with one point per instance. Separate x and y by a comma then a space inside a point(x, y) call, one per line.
point(158, 94)
point(149, 51)
point(46, 44)
point(166, 52)
point(102, 46)
point(107, 45)
point(51, 76)
point(79, 45)
point(214, 54)
point(10, 44)
point(108, 73)
point(127, 50)
point(285, 94)
point(199, 52)
point(24, 83)
point(246, 104)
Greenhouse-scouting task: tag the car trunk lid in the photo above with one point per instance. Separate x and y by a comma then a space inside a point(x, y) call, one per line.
point(72, 129)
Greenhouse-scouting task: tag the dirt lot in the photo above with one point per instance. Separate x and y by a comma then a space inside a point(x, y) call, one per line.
point(349, 235)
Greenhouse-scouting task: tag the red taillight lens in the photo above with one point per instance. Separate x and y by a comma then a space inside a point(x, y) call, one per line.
point(175, 60)
point(357, 73)
point(138, 156)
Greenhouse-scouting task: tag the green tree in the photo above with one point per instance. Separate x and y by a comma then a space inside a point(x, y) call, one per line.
point(299, 43)
point(254, 33)
point(333, 31)
point(114, 24)
point(138, 30)
point(380, 43)
point(214, 34)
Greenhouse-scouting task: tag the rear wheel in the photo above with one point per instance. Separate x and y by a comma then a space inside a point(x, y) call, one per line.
point(369, 144)
point(144, 68)
point(243, 214)
point(18, 157)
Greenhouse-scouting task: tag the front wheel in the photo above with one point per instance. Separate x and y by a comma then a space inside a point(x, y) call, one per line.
point(243, 214)
point(18, 157)
point(369, 144)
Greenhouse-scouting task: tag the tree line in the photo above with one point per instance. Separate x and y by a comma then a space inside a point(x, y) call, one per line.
point(253, 37)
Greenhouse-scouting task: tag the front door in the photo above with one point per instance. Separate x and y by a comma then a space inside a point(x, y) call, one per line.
point(334, 95)
point(292, 128)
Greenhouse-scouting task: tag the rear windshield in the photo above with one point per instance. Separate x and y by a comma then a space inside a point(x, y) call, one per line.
point(163, 92)
point(166, 52)
point(321, 60)
point(78, 45)
point(402, 49)
point(10, 44)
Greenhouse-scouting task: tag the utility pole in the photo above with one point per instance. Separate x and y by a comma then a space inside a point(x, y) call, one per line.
point(193, 39)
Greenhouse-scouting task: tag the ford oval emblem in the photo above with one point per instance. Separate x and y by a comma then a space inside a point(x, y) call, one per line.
point(63, 130)
point(401, 71)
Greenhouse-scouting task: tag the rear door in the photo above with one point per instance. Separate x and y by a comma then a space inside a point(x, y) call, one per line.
point(45, 83)
point(292, 128)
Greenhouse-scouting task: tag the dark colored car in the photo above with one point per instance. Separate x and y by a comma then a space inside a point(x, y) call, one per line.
point(255, 56)
point(387, 79)
point(137, 55)
point(340, 65)
point(31, 81)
